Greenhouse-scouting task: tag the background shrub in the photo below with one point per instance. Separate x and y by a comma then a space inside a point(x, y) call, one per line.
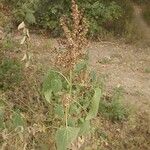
point(10, 73)
point(146, 13)
point(104, 16)
point(139, 2)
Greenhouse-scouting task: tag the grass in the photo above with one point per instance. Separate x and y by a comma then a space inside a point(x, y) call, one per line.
point(10, 73)
point(8, 44)
point(113, 107)
point(147, 70)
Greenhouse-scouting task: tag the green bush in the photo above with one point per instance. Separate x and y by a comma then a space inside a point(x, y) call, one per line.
point(10, 73)
point(141, 1)
point(146, 13)
point(8, 44)
point(104, 16)
point(113, 108)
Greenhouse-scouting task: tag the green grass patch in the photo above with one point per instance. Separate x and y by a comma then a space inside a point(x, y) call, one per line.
point(147, 70)
point(113, 107)
point(10, 73)
point(8, 44)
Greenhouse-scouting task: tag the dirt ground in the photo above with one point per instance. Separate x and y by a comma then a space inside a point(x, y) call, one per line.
point(124, 65)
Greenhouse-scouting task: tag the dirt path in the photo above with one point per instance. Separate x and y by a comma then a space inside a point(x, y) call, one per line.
point(124, 65)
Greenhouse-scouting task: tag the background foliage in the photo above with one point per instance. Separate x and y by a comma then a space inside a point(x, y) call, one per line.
point(146, 13)
point(104, 16)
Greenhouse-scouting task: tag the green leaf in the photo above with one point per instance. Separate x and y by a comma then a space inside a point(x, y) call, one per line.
point(17, 119)
point(56, 85)
point(59, 110)
point(94, 104)
point(72, 121)
point(93, 76)
point(81, 66)
point(30, 18)
point(54, 10)
point(74, 109)
point(85, 127)
point(65, 136)
point(48, 95)
point(47, 81)
point(52, 83)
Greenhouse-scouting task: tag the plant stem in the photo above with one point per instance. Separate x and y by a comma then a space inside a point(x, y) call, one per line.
point(62, 76)
point(70, 83)
point(70, 96)
point(66, 116)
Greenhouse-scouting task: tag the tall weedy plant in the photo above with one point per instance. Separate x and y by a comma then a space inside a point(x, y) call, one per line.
point(74, 99)
point(75, 32)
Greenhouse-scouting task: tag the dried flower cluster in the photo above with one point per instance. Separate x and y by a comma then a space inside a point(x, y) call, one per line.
point(75, 41)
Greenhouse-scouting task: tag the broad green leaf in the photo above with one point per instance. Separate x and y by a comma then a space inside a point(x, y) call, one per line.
point(94, 104)
point(51, 75)
point(30, 18)
point(56, 85)
point(74, 109)
point(17, 119)
point(93, 76)
point(85, 127)
point(48, 95)
point(59, 110)
point(80, 66)
point(52, 83)
point(65, 136)
point(47, 81)
point(54, 10)
point(72, 121)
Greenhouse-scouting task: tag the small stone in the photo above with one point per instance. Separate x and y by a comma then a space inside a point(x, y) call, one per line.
point(118, 130)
